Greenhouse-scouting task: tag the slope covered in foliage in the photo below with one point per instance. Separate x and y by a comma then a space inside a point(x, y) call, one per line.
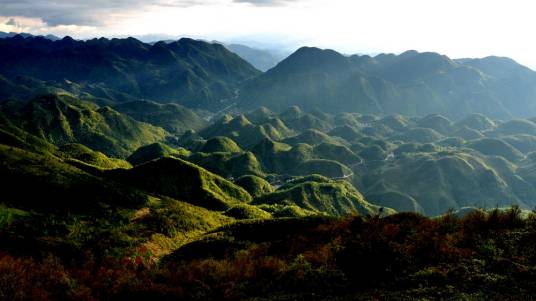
point(411, 83)
point(182, 180)
point(62, 119)
point(321, 195)
point(196, 73)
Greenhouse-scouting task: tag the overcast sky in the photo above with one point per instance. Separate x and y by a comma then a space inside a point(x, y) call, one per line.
point(458, 28)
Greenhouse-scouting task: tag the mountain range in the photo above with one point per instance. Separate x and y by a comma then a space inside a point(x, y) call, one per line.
point(189, 72)
point(411, 84)
point(260, 58)
point(4, 35)
point(178, 171)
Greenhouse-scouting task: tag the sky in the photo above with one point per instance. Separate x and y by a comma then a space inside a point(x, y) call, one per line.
point(457, 28)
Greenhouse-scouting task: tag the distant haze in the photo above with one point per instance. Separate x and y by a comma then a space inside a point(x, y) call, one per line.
point(456, 28)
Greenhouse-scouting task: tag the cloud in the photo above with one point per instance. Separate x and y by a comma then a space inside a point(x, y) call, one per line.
point(83, 12)
point(103, 12)
point(11, 22)
point(265, 2)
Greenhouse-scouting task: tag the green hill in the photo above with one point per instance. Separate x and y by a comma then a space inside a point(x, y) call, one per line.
point(45, 183)
point(335, 152)
point(477, 121)
point(305, 122)
point(373, 153)
point(468, 133)
point(439, 181)
point(256, 186)
point(268, 153)
point(399, 123)
point(244, 164)
point(14, 136)
point(151, 152)
point(436, 122)
point(61, 119)
point(327, 168)
point(513, 127)
point(89, 156)
point(184, 181)
point(260, 115)
point(245, 133)
point(321, 195)
point(313, 137)
point(421, 135)
point(346, 132)
point(173, 118)
point(220, 144)
point(496, 147)
point(522, 142)
point(245, 211)
point(228, 164)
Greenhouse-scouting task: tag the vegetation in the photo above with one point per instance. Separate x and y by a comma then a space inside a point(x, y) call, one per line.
point(134, 171)
point(195, 72)
point(256, 186)
point(62, 119)
point(404, 256)
point(182, 180)
point(323, 196)
point(174, 118)
point(220, 144)
point(151, 152)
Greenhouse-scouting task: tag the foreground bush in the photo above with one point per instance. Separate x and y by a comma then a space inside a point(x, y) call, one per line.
point(404, 256)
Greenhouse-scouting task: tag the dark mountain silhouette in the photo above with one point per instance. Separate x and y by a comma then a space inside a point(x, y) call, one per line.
point(4, 35)
point(187, 71)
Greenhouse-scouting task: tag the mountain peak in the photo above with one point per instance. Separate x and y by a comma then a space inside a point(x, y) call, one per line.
point(312, 59)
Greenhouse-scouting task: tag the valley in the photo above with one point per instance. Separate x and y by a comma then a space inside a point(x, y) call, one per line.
point(177, 170)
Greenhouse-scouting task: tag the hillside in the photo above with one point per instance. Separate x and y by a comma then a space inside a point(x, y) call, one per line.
point(259, 58)
point(174, 118)
point(182, 180)
point(176, 170)
point(187, 71)
point(411, 83)
point(321, 195)
point(62, 119)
